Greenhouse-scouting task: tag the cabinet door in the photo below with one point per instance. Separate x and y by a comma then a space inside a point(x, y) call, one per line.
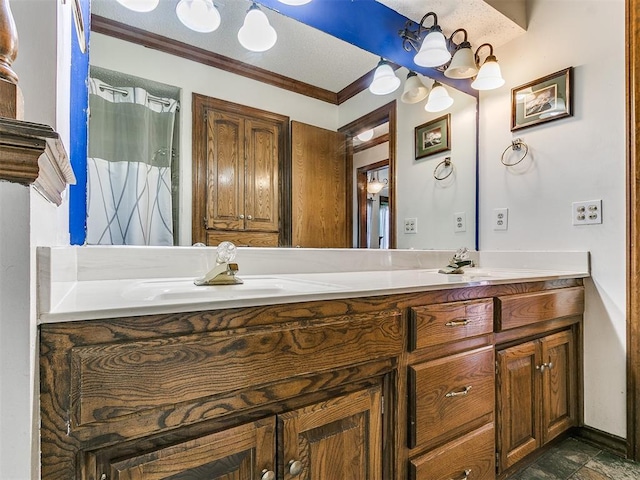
point(337, 439)
point(261, 177)
point(225, 171)
point(241, 453)
point(517, 412)
point(559, 410)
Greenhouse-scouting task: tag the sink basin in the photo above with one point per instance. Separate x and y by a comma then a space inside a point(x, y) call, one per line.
point(183, 289)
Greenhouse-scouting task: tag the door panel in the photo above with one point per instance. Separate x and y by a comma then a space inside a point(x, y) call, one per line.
point(559, 385)
point(261, 176)
point(517, 403)
point(319, 187)
point(225, 171)
point(239, 453)
point(334, 440)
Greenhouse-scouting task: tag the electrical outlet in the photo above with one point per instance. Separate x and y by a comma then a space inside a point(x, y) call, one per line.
point(410, 225)
point(460, 222)
point(500, 218)
point(586, 213)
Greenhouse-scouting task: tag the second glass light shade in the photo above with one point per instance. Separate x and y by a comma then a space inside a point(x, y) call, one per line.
point(439, 99)
point(489, 76)
point(198, 15)
point(433, 51)
point(384, 80)
point(256, 34)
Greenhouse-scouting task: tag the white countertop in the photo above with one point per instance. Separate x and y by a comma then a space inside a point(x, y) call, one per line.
point(79, 283)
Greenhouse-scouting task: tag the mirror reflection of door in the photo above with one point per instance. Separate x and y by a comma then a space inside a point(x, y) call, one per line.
point(373, 205)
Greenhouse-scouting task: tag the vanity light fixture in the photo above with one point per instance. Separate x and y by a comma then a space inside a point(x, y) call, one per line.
point(385, 80)
point(139, 5)
point(256, 34)
point(198, 15)
point(489, 76)
point(375, 186)
point(414, 90)
point(439, 98)
point(456, 60)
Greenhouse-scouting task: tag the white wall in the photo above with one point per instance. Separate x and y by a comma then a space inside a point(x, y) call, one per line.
point(578, 158)
point(194, 77)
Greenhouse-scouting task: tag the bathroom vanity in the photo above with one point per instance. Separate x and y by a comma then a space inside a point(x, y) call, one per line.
point(386, 373)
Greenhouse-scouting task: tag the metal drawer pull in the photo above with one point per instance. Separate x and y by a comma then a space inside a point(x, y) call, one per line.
point(457, 323)
point(464, 476)
point(460, 393)
point(295, 467)
point(267, 475)
point(544, 366)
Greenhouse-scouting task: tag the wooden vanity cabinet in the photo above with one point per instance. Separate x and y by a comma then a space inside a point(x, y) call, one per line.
point(538, 371)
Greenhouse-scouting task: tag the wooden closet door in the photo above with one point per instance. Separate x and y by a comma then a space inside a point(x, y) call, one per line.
point(319, 187)
point(261, 176)
point(225, 180)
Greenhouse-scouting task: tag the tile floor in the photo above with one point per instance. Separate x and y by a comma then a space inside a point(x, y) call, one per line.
point(573, 459)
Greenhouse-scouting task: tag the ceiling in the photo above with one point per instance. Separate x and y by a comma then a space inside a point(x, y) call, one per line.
point(310, 55)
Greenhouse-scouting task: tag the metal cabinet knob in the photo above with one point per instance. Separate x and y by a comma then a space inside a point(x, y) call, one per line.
point(267, 475)
point(241, 216)
point(249, 217)
point(465, 475)
point(295, 467)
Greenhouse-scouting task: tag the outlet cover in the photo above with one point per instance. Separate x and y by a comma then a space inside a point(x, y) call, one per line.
point(460, 222)
point(410, 225)
point(500, 218)
point(586, 213)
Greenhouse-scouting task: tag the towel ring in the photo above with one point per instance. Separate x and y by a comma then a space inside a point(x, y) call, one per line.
point(444, 164)
point(516, 145)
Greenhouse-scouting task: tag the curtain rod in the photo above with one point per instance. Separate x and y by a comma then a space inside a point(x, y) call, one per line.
point(124, 93)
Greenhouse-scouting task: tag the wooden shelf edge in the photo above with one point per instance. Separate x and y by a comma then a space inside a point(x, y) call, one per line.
point(32, 154)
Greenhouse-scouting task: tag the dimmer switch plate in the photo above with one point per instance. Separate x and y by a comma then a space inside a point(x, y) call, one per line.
point(586, 213)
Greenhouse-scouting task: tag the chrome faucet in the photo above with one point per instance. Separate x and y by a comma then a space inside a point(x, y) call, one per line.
point(460, 259)
point(224, 273)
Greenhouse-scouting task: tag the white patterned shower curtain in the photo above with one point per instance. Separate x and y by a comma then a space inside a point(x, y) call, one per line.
point(129, 166)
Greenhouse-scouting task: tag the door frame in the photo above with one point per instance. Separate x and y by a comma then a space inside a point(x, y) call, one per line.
point(633, 226)
point(361, 193)
point(386, 113)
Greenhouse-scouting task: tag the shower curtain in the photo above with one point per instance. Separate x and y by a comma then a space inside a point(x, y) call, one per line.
point(129, 166)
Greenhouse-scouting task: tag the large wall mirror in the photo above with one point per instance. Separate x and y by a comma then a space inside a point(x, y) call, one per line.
point(328, 93)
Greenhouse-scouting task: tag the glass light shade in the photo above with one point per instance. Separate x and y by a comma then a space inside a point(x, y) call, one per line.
point(295, 2)
point(139, 5)
point(463, 64)
point(439, 99)
point(366, 135)
point(198, 15)
point(375, 186)
point(489, 76)
point(384, 80)
point(433, 51)
point(414, 89)
point(256, 34)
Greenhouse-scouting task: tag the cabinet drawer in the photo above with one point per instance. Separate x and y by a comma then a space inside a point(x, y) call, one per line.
point(470, 456)
point(449, 393)
point(448, 322)
point(529, 308)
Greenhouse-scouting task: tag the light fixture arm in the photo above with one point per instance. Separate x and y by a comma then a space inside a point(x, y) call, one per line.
point(477, 54)
point(452, 45)
point(411, 38)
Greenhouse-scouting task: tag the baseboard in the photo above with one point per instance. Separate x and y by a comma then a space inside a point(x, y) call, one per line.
point(606, 441)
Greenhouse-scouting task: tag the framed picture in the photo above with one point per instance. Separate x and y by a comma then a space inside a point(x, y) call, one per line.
point(543, 100)
point(433, 136)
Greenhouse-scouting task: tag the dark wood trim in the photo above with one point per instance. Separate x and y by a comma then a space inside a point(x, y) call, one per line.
point(138, 36)
point(202, 103)
point(605, 441)
point(633, 227)
point(371, 143)
point(361, 176)
point(359, 85)
point(386, 113)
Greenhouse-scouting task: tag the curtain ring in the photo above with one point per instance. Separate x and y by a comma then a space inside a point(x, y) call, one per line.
point(516, 146)
point(444, 164)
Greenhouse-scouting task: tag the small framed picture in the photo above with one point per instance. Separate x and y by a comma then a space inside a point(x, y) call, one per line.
point(433, 136)
point(543, 100)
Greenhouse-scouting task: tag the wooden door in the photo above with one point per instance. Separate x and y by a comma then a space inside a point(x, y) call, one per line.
point(319, 187)
point(517, 403)
point(338, 439)
point(241, 453)
point(261, 178)
point(225, 171)
point(559, 384)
